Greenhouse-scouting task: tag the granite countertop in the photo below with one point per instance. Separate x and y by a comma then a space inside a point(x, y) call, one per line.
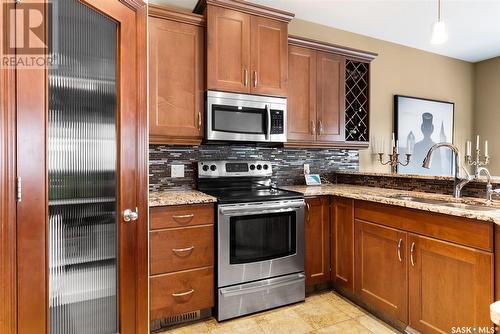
point(179, 197)
point(482, 179)
point(381, 195)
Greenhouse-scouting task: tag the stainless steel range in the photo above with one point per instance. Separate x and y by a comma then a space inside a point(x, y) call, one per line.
point(260, 238)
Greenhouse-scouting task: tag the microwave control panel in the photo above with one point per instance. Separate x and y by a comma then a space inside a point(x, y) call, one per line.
point(277, 122)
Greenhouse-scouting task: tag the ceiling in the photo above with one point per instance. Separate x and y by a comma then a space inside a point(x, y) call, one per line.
point(473, 25)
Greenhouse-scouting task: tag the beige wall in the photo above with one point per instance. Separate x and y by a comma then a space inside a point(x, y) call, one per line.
point(406, 71)
point(487, 108)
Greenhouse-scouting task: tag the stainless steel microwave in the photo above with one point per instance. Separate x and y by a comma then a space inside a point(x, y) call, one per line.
point(247, 118)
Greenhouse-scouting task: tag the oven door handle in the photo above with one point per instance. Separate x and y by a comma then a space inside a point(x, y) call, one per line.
point(263, 287)
point(241, 212)
point(268, 133)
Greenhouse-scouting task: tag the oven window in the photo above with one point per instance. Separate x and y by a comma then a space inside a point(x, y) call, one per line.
point(262, 237)
point(236, 120)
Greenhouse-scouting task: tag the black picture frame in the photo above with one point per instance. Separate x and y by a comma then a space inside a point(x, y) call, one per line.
point(416, 157)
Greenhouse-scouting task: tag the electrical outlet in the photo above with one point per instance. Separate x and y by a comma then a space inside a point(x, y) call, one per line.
point(306, 169)
point(177, 171)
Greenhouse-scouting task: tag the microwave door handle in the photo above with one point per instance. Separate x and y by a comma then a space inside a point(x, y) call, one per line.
point(268, 133)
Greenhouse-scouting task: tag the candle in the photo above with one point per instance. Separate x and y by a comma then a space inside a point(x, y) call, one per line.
point(486, 148)
point(469, 148)
point(392, 142)
point(477, 143)
point(397, 146)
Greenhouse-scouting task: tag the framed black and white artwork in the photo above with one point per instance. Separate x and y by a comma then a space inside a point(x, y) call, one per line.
point(420, 123)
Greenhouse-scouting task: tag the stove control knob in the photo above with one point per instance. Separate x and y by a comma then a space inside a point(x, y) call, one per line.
point(205, 168)
point(252, 167)
point(266, 167)
point(259, 167)
point(213, 168)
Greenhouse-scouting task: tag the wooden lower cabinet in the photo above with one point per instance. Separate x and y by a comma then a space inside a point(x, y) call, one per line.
point(427, 280)
point(381, 269)
point(317, 240)
point(449, 285)
point(342, 242)
point(181, 292)
point(181, 259)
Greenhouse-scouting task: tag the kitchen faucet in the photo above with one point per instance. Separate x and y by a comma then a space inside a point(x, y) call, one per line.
point(490, 192)
point(459, 182)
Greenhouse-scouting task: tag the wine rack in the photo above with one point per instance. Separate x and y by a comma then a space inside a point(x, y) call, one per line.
point(357, 101)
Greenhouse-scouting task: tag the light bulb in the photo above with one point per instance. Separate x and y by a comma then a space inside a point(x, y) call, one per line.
point(439, 34)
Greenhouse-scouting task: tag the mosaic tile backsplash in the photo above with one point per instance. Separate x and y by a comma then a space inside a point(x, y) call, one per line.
point(287, 162)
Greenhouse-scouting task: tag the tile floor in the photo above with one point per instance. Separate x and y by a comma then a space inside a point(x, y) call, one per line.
point(325, 312)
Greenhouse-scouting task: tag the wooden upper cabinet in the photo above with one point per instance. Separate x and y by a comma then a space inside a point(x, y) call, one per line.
point(380, 262)
point(228, 50)
point(317, 93)
point(247, 49)
point(302, 94)
point(269, 56)
point(176, 54)
point(330, 97)
point(449, 286)
point(317, 241)
point(342, 243)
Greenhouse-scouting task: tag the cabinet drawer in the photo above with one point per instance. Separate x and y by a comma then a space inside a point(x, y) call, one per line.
point(181, 216)
point(458, 230)
point(181, 248)
point(181, 292)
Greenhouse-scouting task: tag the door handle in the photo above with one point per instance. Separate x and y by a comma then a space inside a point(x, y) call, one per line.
point(313, 127)
point(187, 217)
point(320, 127)
point(268, 112)
point(129, 215)
point(255, 78)
point(182, 294)
point(199, 120)
point(182, 250)
point(412, 251)
point(400, 242)
point(245, 77)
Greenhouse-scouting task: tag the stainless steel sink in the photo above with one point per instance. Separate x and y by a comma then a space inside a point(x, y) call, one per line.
point(410, 198)
point(458, 205)
point(465, 206)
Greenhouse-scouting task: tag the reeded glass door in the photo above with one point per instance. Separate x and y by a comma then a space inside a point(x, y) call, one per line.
point(82, 170)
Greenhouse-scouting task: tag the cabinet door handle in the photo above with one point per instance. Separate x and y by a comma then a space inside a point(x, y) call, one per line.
point(255, 78)
point(412, 251)
point(313, 128)
point(308, 208)
point(182, 250)
point(182, 294)
point(400, 242)
point(320, 127)
point(199, 120)
point(182, 217)
point(245, 79)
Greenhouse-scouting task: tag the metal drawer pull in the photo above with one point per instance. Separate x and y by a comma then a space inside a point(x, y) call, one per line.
point(182, 250)
point(245, 81)
point(255, 78)
point(313, 127)
point(412, 251)
point(308, 208)
point(182, 294)
point(176, 217)
point(199, 121)
point(399, 250)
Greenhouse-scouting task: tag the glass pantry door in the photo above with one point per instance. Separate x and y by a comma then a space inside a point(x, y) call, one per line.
point(81, 150)
point(82, 170)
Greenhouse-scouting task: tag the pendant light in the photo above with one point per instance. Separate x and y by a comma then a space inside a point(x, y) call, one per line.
point(439, 34)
